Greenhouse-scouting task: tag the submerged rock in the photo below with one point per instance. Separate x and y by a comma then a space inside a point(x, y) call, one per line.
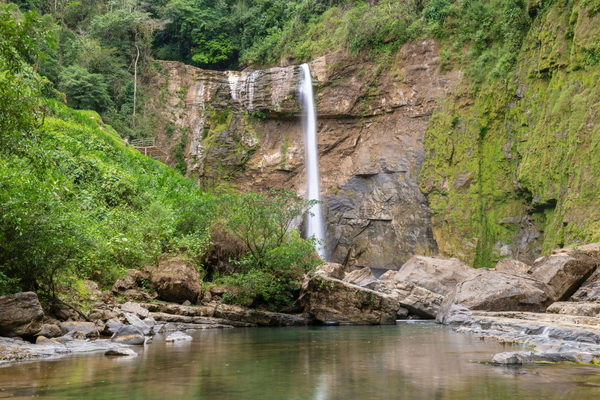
point(435, 274)
point(128, 334)
point(495, 291)
point(177, 336)
point(20, 315)
point(327, 299)
point(121, 351)
point(564, 273)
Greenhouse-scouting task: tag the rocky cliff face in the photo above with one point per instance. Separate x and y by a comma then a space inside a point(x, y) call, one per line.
point(513, 170)
point(415, 160)
point(245, 127)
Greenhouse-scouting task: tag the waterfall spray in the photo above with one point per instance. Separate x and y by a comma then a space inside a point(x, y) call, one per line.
point(309, 123)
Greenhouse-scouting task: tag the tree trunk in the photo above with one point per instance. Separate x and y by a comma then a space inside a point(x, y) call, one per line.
point(135, 85)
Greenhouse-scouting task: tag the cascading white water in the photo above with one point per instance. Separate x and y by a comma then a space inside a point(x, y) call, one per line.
point(309, 123)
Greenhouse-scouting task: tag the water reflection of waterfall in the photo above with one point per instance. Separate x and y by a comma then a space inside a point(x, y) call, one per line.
point(309, 124)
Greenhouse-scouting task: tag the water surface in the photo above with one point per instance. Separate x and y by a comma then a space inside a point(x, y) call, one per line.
point(416, 361)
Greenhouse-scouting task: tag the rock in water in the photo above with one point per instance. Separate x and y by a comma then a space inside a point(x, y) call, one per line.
point(508, 358)
point(496, 291)
point(436, 274)
point(327, 299)
point(176, 281)
point(177, 336)
point(564, 273)
point(131, 335)
point(419, 301)
point(135, 321)
point(363, 278)
point(20, 315)
point(121, 351)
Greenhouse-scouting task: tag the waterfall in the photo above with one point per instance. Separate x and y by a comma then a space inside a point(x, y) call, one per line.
point(309, 124)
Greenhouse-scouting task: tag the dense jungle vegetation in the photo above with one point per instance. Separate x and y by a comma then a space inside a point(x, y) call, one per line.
point(76, 203)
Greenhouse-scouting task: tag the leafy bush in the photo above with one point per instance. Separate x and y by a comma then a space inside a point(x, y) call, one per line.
point(84, 90)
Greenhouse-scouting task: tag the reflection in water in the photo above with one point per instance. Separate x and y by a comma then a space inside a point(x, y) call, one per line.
point(379, 362)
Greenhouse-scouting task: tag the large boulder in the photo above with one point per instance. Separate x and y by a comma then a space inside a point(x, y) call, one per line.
point(589, 290)
point(177, 281)
point(564, 273)
point(496, 291)
point(129, 334)
point(123, 284)
point(20, 315)
point(417, 300)
point(436, 274)
point(362, 277)
point(328, 299)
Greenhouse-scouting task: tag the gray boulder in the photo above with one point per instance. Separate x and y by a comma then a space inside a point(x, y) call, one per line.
point(496, 291)
point(417, 300)
point(564, 273)
point(388, 275)
point(88, 328)
point(435, 274)
point(135, 308)
point(128, 334)
point(362, 277)
point(20, 315)
point(135, 321)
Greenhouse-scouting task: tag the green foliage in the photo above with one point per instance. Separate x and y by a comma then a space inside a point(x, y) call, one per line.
point(276, 257)
point(84, 90)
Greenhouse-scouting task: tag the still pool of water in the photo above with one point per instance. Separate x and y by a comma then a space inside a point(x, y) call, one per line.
point(406, 361)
